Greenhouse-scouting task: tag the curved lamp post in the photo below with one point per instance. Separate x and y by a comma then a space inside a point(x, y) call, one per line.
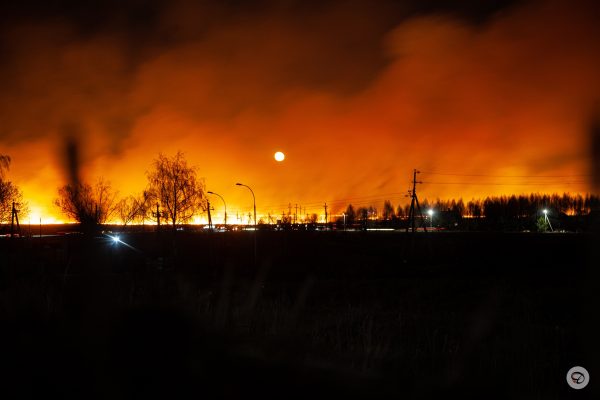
point(224, 204)
point(253, 200)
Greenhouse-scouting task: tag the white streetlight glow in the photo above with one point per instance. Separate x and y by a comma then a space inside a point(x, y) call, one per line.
point(546, 219)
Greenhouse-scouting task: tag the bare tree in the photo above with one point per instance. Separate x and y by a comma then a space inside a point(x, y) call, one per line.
point(9, 194)
point(143, 206)
point(86, 204)
point(176, 187)
point(133, 208)
point(127, 210)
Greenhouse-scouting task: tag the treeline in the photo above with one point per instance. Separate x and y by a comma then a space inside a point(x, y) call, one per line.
point(506, 212)
point(173, 194)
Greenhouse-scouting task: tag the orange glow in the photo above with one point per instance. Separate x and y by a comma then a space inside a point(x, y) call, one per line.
point(38, 214)
point(511, 98)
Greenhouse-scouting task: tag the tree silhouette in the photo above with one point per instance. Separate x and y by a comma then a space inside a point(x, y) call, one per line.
point(388, 210)
point(176, 187)
point(86, 204)
point(542, 224)
point(133, 208)
point(9, 193)
point(350, 215)
point(363, 215)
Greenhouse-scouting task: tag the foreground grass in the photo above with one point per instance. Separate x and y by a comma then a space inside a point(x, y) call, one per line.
point(359, 315)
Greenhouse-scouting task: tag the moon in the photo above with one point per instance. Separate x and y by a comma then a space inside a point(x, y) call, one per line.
point(279, 156)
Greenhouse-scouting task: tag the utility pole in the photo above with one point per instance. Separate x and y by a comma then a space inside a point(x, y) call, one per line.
point(325, 215)
point(224, 205)
point(296, 215)
point(14, 218)
point(210, 226)
point(157, 215)
point(414, 202)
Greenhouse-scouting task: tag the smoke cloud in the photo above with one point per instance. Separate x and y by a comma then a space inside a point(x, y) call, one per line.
point(355, 94)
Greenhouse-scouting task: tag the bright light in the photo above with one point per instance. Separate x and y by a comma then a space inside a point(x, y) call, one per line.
point(545, 211)
point(430, 212)
point(116, 239)
point(279, 156)
point(37, 213)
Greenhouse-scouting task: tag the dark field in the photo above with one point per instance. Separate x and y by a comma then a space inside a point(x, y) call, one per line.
point(314, 314)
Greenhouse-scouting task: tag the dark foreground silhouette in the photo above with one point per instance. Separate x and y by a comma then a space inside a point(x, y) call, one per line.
point(313, 314)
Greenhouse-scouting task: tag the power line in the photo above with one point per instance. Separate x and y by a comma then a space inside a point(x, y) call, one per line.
point(381, 197)
point(509, 176)
point(507, 184)
point(316, 204)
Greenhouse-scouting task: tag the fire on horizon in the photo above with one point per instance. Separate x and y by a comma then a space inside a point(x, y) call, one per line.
point(485, 100)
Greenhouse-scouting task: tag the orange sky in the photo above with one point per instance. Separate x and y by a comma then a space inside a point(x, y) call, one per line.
point(354, 100)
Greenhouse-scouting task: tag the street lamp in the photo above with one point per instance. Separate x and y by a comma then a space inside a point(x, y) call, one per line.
point(430, 212)
point(253, 199)
point(545, 211)
point(224, 204)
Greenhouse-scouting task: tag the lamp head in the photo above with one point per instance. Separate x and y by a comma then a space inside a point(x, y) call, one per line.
point(210, 192)
point(430, 212)
point(545, 211)
point(238, 184)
